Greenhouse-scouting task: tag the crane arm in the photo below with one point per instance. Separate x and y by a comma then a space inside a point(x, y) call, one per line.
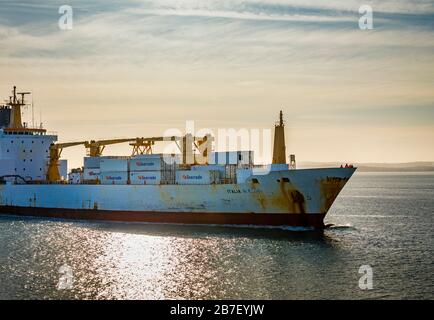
point(97, 147)
point(67, 144)
point(93, 143)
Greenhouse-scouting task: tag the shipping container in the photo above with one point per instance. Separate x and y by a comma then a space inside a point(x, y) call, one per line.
point(192, 177)
point(245, 158)
point(92, 162)
point(145, 177)
point(232, 157)
point(114, 177)
point(146, 163)
point(91, 174)
point(153, 162)
point(110, 164)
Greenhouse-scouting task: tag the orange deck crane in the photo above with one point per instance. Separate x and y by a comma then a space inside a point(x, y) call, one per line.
point(94, 149)
point(140, 146)
point(56, 149)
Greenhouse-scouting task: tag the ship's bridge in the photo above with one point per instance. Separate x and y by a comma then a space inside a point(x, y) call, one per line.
point(24, 150)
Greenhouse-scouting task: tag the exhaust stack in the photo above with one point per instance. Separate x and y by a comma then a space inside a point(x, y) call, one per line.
point(279, 150)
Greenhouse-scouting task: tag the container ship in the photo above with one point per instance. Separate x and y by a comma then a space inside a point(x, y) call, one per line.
point(195, 186)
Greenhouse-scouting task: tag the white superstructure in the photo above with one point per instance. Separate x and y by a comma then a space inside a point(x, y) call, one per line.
point(24, 151)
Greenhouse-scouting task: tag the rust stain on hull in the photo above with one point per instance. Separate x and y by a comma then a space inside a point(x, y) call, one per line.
point(329, 190)
point(289, 198)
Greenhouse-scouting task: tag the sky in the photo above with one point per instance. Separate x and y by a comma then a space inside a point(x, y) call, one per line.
point(132, 68)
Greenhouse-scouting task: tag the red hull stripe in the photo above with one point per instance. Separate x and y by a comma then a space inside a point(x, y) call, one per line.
point(260, 219)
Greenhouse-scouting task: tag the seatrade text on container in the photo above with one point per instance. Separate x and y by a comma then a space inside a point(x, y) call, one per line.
point(248, 310)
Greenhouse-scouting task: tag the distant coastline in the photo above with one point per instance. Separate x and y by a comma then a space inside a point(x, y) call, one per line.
point(376, 167)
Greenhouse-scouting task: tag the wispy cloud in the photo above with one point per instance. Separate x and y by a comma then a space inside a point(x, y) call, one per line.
point(213, 58)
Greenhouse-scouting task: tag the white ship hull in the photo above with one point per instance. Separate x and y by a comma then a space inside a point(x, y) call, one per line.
point(291, 197)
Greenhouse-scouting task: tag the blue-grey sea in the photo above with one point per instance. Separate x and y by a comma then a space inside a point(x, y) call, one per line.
point(381, 220)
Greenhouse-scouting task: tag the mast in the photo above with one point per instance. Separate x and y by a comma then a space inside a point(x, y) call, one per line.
point(16, 103)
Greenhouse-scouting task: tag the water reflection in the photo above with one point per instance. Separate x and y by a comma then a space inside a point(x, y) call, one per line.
point(184, 262)
point(128, 261)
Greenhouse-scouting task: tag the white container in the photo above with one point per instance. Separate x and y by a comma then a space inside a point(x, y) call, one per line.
point(192, 177)
point(232, 157)
point(245, 157)
point(110, 164)
point(114, 177)
point(146, 163)
point(153, 162)
point(145, 177)
point(91, 174)
point(223, 157)
point(92, 162)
